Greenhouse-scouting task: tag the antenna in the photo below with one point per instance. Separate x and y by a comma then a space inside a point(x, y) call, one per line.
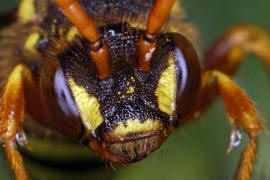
point(147, 42)
point(99, 52)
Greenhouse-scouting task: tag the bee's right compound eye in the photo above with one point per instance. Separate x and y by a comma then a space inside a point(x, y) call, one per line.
point(188, 75)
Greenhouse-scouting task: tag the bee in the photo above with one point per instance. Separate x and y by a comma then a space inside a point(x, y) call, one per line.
point(122, 87)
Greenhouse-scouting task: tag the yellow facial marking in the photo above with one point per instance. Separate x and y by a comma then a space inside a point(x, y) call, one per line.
point(72, 32)
point(31, 42)
point(135, 126)
point(166, 90)
point(87, 105)
point(130, 90)
point(26, 10)
point(132, 79)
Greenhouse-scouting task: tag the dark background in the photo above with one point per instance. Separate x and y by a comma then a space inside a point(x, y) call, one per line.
point(197, 150)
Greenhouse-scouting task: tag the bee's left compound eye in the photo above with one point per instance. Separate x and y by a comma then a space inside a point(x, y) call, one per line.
point(58, 97)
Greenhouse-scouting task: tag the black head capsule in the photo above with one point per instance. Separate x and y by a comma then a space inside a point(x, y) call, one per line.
point(130, 114)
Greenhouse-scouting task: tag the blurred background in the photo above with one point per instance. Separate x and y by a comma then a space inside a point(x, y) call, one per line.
point(195, 151)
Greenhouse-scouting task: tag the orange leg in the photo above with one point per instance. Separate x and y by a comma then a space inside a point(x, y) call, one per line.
point(230, 50)
point(241, 112)
point(20, 85)
point(225, 56)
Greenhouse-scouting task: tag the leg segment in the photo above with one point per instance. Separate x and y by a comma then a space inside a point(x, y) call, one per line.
point(230, 50)
point(240, 111)
point(225, 56)
point(15, 160)
point(12, 105)
point(12, 111)
point(12, 114)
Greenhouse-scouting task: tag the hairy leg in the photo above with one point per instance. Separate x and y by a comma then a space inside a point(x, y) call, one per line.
point(227, 54)
point(12, 112)
point(221, 61)
point(241, 112)
point(20, 87)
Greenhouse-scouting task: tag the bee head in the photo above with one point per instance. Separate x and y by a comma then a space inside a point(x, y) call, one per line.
point(128, 85)
point(129, 114)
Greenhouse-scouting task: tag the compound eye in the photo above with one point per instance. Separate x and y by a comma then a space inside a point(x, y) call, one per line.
point(188, 75)
point(63, 96)
point(59, 101)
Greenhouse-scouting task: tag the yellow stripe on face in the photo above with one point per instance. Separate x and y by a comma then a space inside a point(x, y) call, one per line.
point(31, 42)
point(87, 105)
point(26, 10)
point(166, 90)
point(135, 126)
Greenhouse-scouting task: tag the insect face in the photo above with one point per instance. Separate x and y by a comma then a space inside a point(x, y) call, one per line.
point(129, 114)
point(119, 87)
point(121, 98)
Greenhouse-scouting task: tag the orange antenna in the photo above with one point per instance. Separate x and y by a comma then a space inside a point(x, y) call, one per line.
point(147, 43)
point(99, 52)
